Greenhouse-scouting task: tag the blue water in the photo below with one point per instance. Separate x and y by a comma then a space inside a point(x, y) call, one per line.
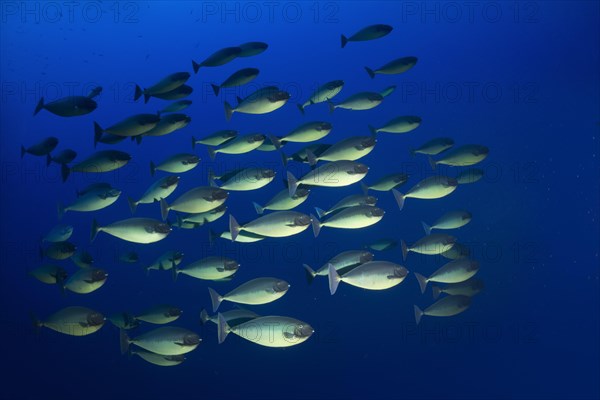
point(521, 78)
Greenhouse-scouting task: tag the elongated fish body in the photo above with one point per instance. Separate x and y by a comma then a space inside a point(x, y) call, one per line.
point(49, 274)
point(308, 132)
point(463, 156)
point(469, 288)
point(136, 230)
point(433, 187)
point(59, 233)
point(383, 244)
point(176, 164)
point(324, 93)
point(159, 359)
point(457, 251)
point(167, 340)
point(59, 250)
point(250, 49)
point(166, 261)
point(132, 126)
point(169, 124)
point(388, 182)
point(433, 244)
point(92, 200)
point(245, 179)
point(401, 124)
point(370, 32)
point(161, 189)
point(397, 66)
point(256, 291)
point(372, 275)
point(238, 78)
point(177, 106)
point(333, 174)
point(434, 146)
point(216, 138)
point(160, 314)
point(450, 220)
point(175, 94)
point(350, 218)
point(74, 321)
point(342, 263)
point(86, 280)
point(239, 145)
point(262, 101)
point(359, 101)
point(71, 106)
point(167, 84)
point(445, 307)
point(352, 148)
point(219, 57)
point(270, 331)
point(64, 157)
point(232, 317)
point(276, 224)
point(197, 200)
point(282, 201)
point(210, 268)
point(348, 201)
point(42, 148)
point(469, 176)
point(453, 272)
point(199, 219)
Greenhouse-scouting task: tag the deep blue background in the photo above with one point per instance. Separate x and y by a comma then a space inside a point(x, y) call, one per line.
point(535, 103)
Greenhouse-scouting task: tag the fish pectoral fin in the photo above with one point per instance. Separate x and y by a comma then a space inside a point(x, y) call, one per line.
point(88, 281)
point(84, 325)
point(179, 344)
point(392, 277)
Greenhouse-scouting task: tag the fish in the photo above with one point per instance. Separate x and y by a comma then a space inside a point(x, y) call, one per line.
point(262, 101)
point(74, 321)
point(59, 233)
point(160, 314)
point(403, 124)
point(124, 320)
point(49, 274)
point(282, 201)
point(269, 331)
point(445, 307)
point(471, 175)
point(219, 57)
point(350, 218)
point(386, 183)
point(167, 124)
point(433, 187)
point(232, 317)
point(132, 126)
point(167, 84)
point(469, 288)
point(308, 132)
point(243, 179)
point(453, 272)
point(72, 106)
point(397, 66)
point(332, 174)
point(43, 148)
point(209, 268)
point(196, 200)
point(200, 219)
point(351, 148)
point(136, 230)
point(383, 244)
point(159, 359)
point(166, 261)
point(250, 49)
point(359, 101)
point(450, 220)
point(433, 244)
point(86, 280)
point(58, 251)
point(370, 32)
point(343, 262)
point(176, 164)
point(463, 156)
point(255, 292)
point(100, 161)
point(238, 78)
point(130, 257)
point(161, 189)
point(275, 224)
point(216, 138)
point(348, 201)
point(434, 146)
point(175, 94)
point(239, 145)
point(83, 259)
point(387, 91)
point(64, 157)
point(91, 200)
point(323, 93)
point(372, 275)
point(166, 340)
point(176, 106)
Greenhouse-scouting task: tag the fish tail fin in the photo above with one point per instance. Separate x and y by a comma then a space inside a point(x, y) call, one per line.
point(344, 41)
point(215, 89)
point(422, 282)
point(312, 159)
point(320, 212)
point(276, 141)
point(97, 133)
point(193, 142)
point(316, 225)
point(204, 316)
point(212, 235)
point(152, 168)
point(39, 106)
point(228, 111)
point(418, 314)
point(432, 163)
point(259, 209)
point(164, 209)
point(23, 151)
point(146, 98)
point(234, 228)
point(124, 341)
point(334, 279)
point(138, 139)
point(138, 93)
point(48, 159)
point(373, 130)
point(310, 273)
point(132, 205)
point(370, 72)
point(364, 188)
point(284, 158)
point(292, 183)
point(212, 153)
point(37, 324)
point(331, 106)
point(196, 66)
point(215, 299)
point(404, 249)
point(426, 228)
point(65, 171)
point(174, 271)
point(60, 208)
point(224, 329)
point(399, 198)
point(211, 178)
point(436, 292)
point(94, 231)
point(301, 108)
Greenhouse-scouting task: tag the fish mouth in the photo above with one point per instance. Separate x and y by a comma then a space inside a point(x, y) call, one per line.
point(281, 286)
point(162, 228)
point(231, 266)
